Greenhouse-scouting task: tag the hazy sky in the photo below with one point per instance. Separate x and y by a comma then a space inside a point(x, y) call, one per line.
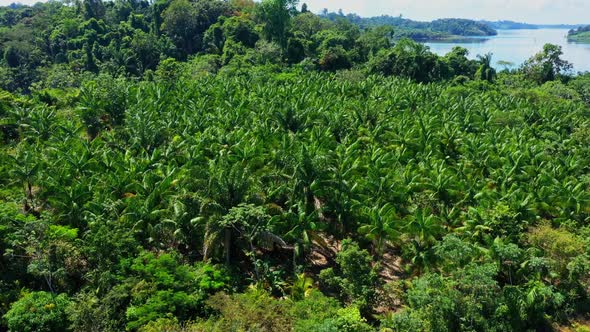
point(531, 11)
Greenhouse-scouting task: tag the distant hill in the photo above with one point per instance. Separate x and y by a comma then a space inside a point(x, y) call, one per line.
point(558, 26)
point(511, 25)
point(447, 28)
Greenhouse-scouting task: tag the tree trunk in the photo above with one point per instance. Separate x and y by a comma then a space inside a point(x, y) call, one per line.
point(253, 253)
point(29, 190)
point(227, 245)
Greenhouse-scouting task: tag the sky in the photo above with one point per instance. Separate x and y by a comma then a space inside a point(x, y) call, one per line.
point(529, 11)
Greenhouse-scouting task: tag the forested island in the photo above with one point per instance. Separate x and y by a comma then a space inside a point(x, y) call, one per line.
point(511, 25)
point(441, 29)
point(209, 165)
point(579, 35)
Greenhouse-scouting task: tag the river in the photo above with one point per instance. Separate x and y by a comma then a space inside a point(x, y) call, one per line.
point(516, 46)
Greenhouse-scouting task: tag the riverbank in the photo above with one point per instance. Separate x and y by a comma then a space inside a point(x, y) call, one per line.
point(583, 37)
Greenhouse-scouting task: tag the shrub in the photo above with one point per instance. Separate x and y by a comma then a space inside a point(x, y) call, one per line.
point(163, 287)
point(355, 278)
point(559, 245)
point(252, 311)
point(38, 312)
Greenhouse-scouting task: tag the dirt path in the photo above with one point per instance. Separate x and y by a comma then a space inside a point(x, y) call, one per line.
point(391, 267)
point(323, 255)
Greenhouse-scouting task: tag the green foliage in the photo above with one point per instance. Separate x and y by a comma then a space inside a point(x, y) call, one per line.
point(443, 29)
point(127, 173)
point(13, 56)
point(87, 313)
point(408, 59)
point(168, 70)
point(130, 39)
point(314, 312)
point(256, 310)
point(241, 30)
point(334, 58)
point(186, 22)
point(581, 85)
point(161, 286)
point(456, 253)
point(485, 72)
point(559, 90)
point(381, 226)
point(50, 252)
point(295, 50)
point(375, 39)
point(276, 15)
point(440, 304)
point(181, 25)
point(547, 65)
point(350, 319)
point(560, 246)
point(39, 311)
point(405, 320)
point(356, 278)
point(102, 103)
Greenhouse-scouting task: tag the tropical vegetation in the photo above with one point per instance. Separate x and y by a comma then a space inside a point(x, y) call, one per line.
point(238, 166)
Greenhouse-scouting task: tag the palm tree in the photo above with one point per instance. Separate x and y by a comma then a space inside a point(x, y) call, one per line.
point(485, 72)
point(25, 170)
point(381, 227)
point(227, 187)
point(423, 229)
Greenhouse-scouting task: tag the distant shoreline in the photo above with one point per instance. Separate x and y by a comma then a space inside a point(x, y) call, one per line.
point(511, 25)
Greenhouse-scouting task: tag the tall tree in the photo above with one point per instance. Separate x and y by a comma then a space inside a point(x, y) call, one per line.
point(186, 22)
point(485, 72)
point(180, 24)
point(276, 15)
point(547, 65)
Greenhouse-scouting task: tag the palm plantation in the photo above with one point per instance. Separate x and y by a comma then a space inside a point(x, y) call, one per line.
point(284, 171)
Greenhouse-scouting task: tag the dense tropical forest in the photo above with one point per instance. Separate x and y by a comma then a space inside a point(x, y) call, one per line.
point(205, 165)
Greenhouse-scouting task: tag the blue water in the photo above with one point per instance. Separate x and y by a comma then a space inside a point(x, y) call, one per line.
point(516, 46)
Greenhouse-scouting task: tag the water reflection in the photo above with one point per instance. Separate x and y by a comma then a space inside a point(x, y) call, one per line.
point(516, 46)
